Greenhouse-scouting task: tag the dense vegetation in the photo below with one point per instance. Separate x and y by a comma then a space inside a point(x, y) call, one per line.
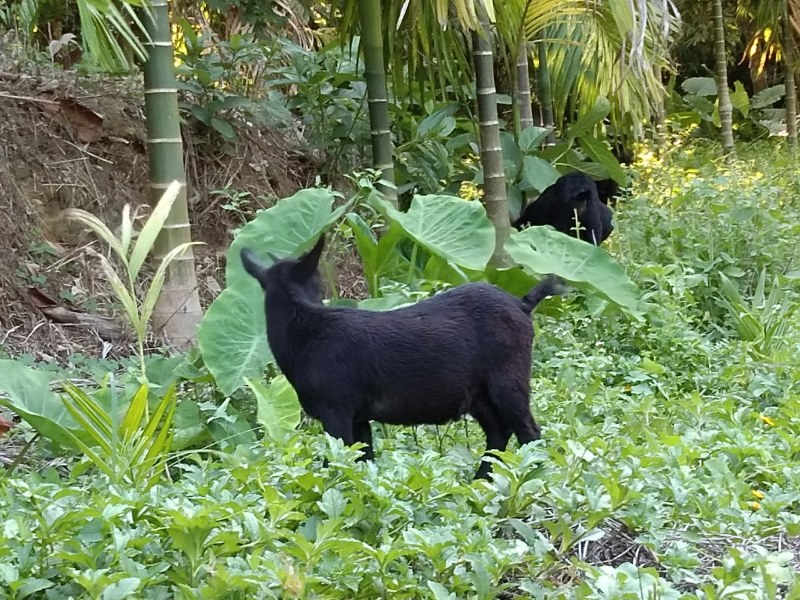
point(669, 444)
point(666, 382)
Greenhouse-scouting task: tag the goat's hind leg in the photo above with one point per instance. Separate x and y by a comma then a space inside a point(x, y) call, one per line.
point(362, 431)
point(497, 433)
point(512, 403)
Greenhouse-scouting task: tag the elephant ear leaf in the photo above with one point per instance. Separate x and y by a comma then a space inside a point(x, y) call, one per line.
point(543, 250)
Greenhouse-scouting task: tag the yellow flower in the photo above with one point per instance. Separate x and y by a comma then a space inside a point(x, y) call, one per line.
point(754, 505)
point(767, 420)
point(758, 494)
point(469, 191)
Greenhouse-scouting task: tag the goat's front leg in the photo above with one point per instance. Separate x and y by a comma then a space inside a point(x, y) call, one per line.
point(339, 425)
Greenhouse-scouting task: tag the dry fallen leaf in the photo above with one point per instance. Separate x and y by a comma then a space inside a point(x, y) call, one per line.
point(5, 425)
point(86, 124)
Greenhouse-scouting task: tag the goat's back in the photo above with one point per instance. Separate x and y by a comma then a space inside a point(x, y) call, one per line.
point(424, 363)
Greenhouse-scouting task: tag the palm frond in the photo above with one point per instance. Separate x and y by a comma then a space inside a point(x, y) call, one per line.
point(610, 51)
point(107, 33)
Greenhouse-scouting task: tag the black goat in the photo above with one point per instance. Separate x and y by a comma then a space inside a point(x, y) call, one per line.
point(573, 193)
point(464, 351)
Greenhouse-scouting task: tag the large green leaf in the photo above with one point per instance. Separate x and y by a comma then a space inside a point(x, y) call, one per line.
point(532, 137)
point(379, 258)
point(594, 170)
point(27, 393)
point(700, 86)
point(512, 156)
point(278, 406)
point(768, 97)
point(740, 99)
point(542, 250)
point(587, 121)
point(287, 229)
point(538, 174)
point(599, 152)
point(454, 229)
point(233, 338)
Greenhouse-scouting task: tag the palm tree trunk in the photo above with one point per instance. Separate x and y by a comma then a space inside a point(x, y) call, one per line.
point(494, 182)
point(545, 91)
point(789, 82)
point(177, 313)
point(523, 92)
point(721, 68)
point(660, 116)
point(381, 136)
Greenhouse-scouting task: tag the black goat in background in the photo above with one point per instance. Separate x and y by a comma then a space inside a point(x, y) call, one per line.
point(574, 194)
point(464, 351)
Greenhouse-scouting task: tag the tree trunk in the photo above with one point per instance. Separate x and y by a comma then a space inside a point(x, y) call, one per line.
point(177, 312)
point(381, 137)
point(545, 91)
point(494, 181)
point(721, 68)
point(660, 116)
point(789, 82)
point(523, 92)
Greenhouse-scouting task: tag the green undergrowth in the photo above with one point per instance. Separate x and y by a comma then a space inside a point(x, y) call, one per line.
point(669, 465)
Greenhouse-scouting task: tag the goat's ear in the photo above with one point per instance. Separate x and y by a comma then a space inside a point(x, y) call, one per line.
point(253, 266)
point(309, 261)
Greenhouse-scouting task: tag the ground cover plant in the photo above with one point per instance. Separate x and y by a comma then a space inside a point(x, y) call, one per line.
point(669, 465)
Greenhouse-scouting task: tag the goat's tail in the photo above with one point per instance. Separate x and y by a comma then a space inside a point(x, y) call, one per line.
point(549, 286)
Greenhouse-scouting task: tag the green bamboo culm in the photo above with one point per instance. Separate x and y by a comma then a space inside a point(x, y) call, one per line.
point(523, 88)
point(494, 182)
point(177, 312)
point(721, 72)
point(377, 96)
point(545, 90)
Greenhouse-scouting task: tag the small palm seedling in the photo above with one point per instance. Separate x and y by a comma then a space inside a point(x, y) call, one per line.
point(133, 449)
point(132, 256)
point(762, 321)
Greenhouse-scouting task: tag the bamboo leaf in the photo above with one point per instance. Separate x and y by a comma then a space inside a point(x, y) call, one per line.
point(126, 229)
point(100, 228)
point(103, 25)
point(151, 229)
point(158, 281)
point(122, 293)
point(96, 459)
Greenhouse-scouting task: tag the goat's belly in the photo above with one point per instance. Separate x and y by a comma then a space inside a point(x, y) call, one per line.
point(418, 411)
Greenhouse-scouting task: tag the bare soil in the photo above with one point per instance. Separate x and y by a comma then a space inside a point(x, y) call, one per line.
point(78, 141)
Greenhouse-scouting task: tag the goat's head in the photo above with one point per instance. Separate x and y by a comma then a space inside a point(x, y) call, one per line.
point(297, 277)
point(581, 199)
